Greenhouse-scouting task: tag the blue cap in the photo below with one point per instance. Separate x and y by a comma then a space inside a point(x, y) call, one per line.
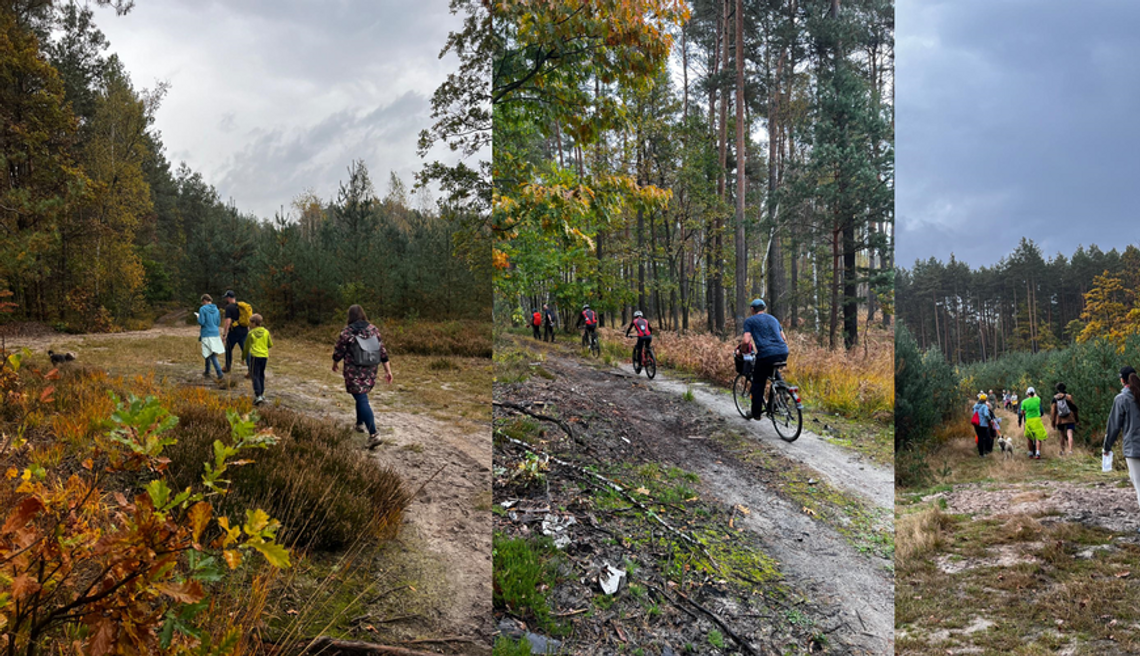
point(759, 303)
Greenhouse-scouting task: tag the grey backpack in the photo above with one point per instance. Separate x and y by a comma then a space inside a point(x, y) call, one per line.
point(1063, 409)
point(365, 350)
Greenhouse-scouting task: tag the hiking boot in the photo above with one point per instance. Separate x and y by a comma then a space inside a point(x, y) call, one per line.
point(247, 375)
point(225, 370)
point(221, 378)
point(259, 400)
point(206, 375)
point(359, 428)
point(373, 442)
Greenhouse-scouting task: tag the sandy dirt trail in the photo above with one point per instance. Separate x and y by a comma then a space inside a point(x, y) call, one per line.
point(813, 556)
point(846, 469)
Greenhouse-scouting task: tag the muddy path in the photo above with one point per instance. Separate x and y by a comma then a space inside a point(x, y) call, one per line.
point(843, 468)
point(444, 548)
point(627, 420)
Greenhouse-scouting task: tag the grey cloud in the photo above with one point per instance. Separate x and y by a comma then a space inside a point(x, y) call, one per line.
point(278, 164)
point(270, 98)
point(1016, 119)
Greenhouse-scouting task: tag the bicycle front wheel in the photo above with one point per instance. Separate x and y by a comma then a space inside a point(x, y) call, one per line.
point(786, 415)
point(650, 366)
point(742, 394)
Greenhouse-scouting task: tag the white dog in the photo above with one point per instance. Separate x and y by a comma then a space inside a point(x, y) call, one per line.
point(1006, 446)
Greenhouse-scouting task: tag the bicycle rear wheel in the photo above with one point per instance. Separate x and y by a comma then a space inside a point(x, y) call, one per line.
point(650, 365)
point(742, 394)
point(787, 417)
point(595, 348)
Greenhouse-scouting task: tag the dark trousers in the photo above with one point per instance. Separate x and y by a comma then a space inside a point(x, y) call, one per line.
point(985, 439)
point(590, 330)
point(548, 333)
point(257, 374)
point(641, 342)
point(761, 372)
point(537, 334)
point(236, 337)
point(364, 413)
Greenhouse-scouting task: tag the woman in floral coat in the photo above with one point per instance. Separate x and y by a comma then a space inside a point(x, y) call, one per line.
point(359, 379)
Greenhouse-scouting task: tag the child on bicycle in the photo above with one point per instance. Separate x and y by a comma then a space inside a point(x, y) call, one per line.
point(644, 336)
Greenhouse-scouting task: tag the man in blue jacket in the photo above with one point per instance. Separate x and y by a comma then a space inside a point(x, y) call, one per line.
point(763, 332)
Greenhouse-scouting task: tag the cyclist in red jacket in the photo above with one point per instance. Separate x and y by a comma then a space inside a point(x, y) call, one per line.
point(644, 334)
point(589, 318)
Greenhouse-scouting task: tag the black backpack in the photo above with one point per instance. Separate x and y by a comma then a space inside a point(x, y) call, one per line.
point(365, 350)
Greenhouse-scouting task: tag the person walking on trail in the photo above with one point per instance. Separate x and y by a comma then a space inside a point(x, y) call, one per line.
point(762, 331)
point(209, 319)
point(536, 323)
point(1063, 416)
point(982, 419)
point(235, 328)
point(644, 336)
point(256, 348)
point(360, 347)
point(1034, 427)
point(589, 319)
point(548, 322)
point(1124, 422)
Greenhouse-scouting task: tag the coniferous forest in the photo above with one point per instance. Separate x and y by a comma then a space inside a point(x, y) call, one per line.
point(685, 157)
point(100, 231)
point(1025, 302)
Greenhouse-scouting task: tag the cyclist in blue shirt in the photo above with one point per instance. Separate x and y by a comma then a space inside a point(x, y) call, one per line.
point(763, 331)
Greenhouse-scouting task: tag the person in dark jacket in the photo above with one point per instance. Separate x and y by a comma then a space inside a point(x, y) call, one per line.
point(548, 323)
point(763, 333)
point(360, 379)
point(1124, 422)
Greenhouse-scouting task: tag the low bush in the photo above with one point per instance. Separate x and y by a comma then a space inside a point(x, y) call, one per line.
point(325, 492)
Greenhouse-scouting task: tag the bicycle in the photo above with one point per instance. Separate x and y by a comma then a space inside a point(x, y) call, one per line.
point(595, 347)
point(783, 407)
point(648, 362)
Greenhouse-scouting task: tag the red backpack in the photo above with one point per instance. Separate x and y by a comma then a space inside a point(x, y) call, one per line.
point(591, 317)
point(641, 326)
point(537, 320)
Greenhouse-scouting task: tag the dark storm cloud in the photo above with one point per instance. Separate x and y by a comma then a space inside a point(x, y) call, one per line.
point(1016, 118)
point(272, 98)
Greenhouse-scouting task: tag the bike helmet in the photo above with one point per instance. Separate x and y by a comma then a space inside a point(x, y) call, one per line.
point(759, 303)
point(637, 314)
point(585, 307)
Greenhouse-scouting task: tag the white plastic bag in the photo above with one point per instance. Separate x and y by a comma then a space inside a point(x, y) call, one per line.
point(1106, 462)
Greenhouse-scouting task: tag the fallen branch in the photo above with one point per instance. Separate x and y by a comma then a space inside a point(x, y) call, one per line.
point(424, 484)
point(326, 646)
point(518, 408)
point(622, 491)
point(719, 622)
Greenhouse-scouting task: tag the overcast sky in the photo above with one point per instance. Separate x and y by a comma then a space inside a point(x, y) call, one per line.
point(1016, 118)
point(269, 98)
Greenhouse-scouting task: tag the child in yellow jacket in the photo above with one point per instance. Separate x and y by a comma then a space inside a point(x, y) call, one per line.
point(256, 347)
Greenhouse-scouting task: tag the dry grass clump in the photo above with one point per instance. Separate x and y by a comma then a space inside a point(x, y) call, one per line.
point(325, 491)
point(859, 384)
point(917, 535)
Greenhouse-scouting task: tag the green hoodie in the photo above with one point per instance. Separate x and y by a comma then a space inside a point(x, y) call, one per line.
point(258, 343)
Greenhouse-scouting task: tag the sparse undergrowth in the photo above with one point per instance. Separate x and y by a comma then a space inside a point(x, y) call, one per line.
point(1028, 570)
